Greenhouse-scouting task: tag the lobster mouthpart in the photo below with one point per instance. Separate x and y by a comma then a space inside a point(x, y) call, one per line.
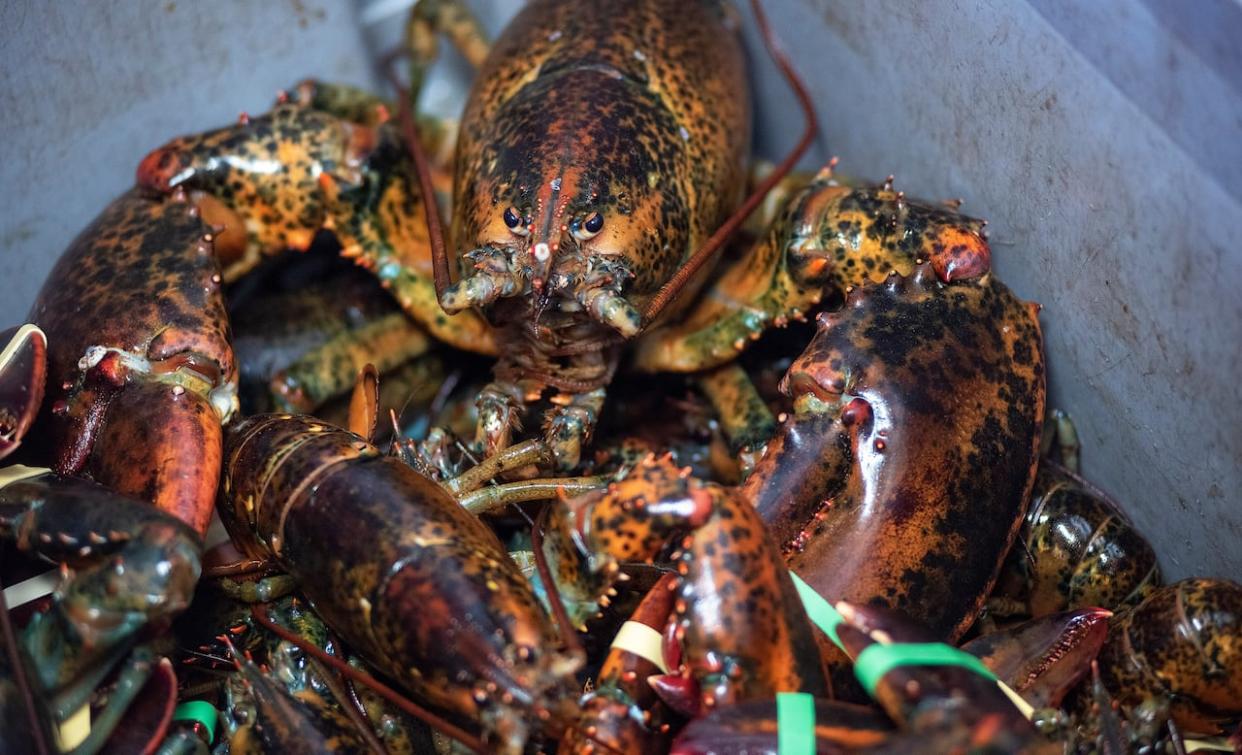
point(23, 371)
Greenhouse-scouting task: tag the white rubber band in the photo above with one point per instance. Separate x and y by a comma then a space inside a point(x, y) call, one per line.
point(18, 472)
point(31, 589)
point(643, 641)
point(6, 355)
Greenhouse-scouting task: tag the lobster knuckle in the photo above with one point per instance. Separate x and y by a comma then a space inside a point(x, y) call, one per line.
point(134, 312)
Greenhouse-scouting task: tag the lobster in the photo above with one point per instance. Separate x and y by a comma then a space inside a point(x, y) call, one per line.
point(936, 707)
point(741, 627)
point(140, 370)
point(588, 180)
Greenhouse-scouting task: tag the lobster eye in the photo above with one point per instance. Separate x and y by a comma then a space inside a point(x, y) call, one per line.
point(514, 221)
point(590, 227)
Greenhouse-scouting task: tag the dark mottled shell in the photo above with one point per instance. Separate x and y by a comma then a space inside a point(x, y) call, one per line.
point(294, 171)
point(744, 632)
point(639, 110)
point(421, 588)
point(904, 474)
point(1076, 549)
point(141, 278)
point(747, 635)
point(1183, 642)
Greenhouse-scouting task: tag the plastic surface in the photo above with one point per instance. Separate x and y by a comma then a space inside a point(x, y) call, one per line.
point(1103, 141)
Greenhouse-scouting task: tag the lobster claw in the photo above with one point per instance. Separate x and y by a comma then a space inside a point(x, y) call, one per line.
point(164, 444)
point(23, 369)
point(1045, 657)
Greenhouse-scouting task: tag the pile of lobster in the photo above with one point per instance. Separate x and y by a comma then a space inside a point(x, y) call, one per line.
point(793, 488)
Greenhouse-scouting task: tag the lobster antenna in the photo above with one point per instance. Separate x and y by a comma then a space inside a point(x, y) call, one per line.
point(383, 690)
point(12, 649)
point(409, 133)
point(568, 630)
point(670, 290)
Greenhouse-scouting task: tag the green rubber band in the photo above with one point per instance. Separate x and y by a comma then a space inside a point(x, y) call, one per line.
point(795, 723)
point(820, 612)
point(877, 660)
point(201, 711)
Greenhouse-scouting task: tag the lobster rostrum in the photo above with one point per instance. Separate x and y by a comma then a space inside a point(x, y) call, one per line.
point(417, 585)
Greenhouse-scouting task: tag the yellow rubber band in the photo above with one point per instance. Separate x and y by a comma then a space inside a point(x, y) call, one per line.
point(73, 730)
point(643, 641)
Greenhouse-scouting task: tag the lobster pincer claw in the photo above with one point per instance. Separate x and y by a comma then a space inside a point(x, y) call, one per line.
point(23, 370)
point(1044, 658)
point(130, 567)
point(140, 362)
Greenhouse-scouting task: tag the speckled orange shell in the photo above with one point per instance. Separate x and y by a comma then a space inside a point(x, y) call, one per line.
point(142, 279)
point(1183, 642)
point(905, 481)
point(827, 239)
point(639, 110)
